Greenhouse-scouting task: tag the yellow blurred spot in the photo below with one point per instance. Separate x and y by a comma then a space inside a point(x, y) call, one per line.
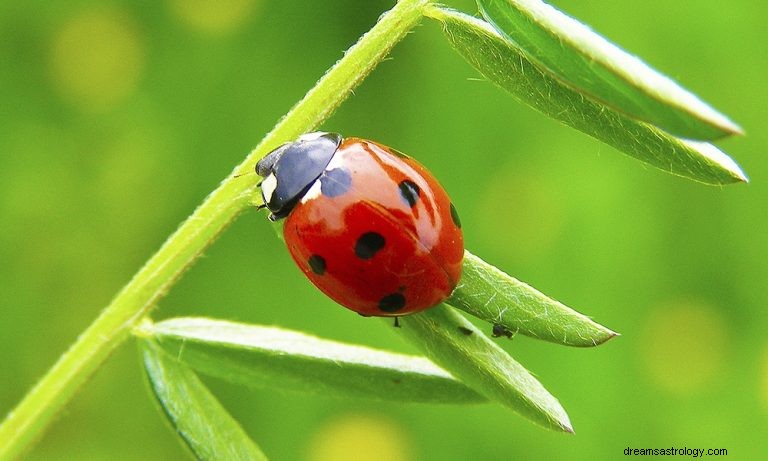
point(683, 346)
point(360, 437)
point(96, 59)
point(521, 216)
point(216, 17)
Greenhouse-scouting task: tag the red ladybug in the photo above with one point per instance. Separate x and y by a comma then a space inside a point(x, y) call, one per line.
point(370, 227)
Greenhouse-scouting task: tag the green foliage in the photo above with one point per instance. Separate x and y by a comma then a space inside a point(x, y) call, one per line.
point(197, 417)
point(598, 69)
point(458, 346)
point(287, 360)
point(546, 60)
point(491, 295)
point(503, 63)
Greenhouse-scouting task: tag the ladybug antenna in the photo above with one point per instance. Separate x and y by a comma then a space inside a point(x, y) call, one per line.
point(240, 175)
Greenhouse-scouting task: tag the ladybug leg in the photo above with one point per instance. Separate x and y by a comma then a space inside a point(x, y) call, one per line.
point(397, 322)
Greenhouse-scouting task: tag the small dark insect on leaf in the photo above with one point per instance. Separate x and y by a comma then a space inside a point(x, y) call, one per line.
point(465, 331)
point(500, 330)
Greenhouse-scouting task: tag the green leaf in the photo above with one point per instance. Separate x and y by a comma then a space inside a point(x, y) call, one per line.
point(288, 360)
point(491, 295)
point(452, 342)
point(601, 70)
point(198, 418)
point(504, 64)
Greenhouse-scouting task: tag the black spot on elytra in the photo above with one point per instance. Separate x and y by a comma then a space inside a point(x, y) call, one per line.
point(335, 182)
point(409, 191)
point(392, 303)
point(317, 264)
point(455, 216)
point(368, 244)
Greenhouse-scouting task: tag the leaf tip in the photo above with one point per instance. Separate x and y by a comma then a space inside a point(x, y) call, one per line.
point(564, 424)
point(738, 175)
point(729, 127)
point(609, 335)
point(741, 176)
point(719, 160)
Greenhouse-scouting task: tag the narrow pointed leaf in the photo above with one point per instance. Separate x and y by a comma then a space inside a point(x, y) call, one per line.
point(287, 360)
point(452, 342)
point(198, 418)
point(601, 70)
point(502, 63)
point(491, 295)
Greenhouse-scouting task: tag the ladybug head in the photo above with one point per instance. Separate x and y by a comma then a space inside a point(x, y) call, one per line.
point(290, 170)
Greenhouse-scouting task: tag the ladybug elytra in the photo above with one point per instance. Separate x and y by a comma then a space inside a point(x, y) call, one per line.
point(370, 227)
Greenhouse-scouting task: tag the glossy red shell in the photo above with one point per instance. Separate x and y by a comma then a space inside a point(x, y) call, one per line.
point(419, 260)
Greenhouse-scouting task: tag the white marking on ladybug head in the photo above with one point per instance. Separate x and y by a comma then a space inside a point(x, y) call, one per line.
point(337, 161)
point(311, 136)
point(313, 192)
point(268, 187)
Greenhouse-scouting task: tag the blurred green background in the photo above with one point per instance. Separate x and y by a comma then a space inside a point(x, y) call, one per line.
point(118, 117)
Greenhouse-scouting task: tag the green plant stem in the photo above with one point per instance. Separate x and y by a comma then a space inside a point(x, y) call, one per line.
point(32, 415)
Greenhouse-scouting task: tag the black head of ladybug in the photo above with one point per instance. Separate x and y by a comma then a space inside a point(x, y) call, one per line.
point(290, 170)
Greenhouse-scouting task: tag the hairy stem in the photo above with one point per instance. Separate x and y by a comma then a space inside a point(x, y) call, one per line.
point(33, 414)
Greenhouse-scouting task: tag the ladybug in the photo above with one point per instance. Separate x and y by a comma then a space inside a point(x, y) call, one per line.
point(369, 226)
